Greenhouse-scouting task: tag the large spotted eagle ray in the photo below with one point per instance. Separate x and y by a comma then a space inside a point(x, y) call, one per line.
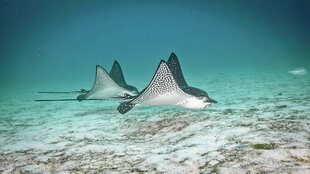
point(106, 85)
point(168, 88)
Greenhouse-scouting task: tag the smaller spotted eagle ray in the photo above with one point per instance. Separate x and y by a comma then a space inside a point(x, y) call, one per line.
point(112, 85)
point(109, 85)
point(168, 88)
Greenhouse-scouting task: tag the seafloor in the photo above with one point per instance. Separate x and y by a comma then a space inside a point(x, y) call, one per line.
point(261, 124)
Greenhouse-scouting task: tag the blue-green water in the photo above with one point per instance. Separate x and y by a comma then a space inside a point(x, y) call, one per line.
point(239, 52)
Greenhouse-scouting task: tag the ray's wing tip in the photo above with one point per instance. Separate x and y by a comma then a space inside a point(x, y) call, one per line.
point(172, 56)
point(98, 66)
point(116, 62)
point(162, 62)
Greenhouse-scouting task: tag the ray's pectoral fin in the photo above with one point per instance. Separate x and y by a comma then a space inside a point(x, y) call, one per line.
point(102, 82)
point(162, 90)
point(117, 75)
point(175, 68)
point(125, 107)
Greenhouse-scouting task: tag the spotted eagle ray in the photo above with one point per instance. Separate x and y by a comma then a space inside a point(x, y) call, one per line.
point(109, 85)
point(168, 88)
point(112, 85)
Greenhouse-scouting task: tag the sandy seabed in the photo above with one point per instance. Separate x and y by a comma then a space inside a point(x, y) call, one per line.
point(261, 124)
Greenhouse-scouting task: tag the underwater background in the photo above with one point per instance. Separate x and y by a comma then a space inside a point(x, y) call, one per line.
point(240, 52)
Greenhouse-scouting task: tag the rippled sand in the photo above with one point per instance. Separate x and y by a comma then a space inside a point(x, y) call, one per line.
point(260, 124)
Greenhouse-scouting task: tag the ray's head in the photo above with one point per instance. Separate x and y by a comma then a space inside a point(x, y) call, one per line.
point(205, 99)
point(131, 90)
point(200, 98)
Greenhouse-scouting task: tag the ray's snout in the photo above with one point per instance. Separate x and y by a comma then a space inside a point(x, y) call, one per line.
point(209, 100)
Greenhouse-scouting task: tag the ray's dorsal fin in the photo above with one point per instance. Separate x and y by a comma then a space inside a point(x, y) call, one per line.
point(102, 81)
point(175, 68)
point(116, 74)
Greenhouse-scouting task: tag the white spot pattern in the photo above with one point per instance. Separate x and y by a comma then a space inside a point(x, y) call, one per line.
point(163, 83)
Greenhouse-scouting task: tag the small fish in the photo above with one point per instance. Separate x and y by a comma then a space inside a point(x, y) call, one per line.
point(298, 71)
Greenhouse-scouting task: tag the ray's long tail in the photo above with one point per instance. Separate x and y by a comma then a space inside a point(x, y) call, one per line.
point(82, 91)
